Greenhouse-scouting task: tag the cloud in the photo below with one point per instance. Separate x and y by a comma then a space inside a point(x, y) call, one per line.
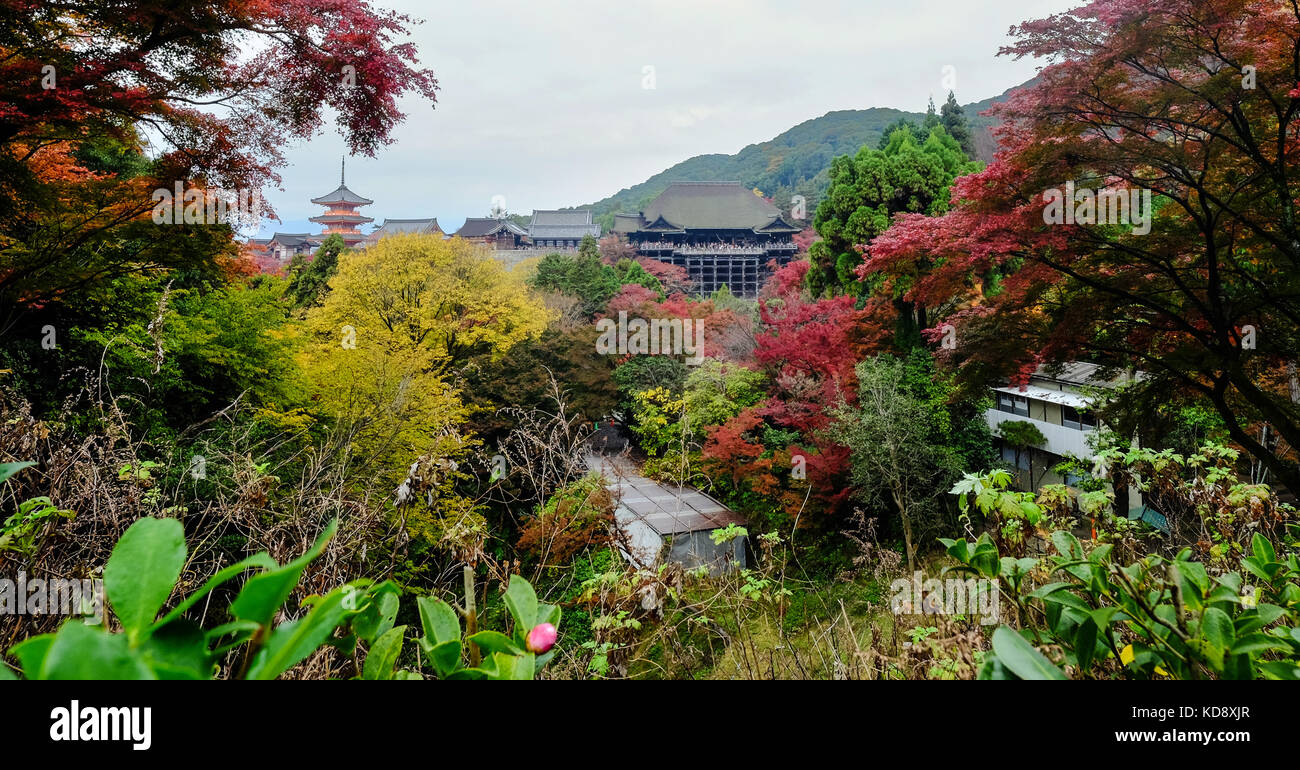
point(544, 103)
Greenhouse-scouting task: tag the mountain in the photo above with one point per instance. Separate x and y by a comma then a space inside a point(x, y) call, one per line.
point(796, 162)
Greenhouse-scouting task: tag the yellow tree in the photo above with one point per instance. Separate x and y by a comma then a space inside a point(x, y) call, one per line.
point(400, 317)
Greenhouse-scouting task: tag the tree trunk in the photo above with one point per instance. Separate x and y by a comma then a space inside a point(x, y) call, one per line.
point(907, 531)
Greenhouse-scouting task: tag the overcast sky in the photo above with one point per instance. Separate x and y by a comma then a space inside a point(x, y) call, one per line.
point(544, 102)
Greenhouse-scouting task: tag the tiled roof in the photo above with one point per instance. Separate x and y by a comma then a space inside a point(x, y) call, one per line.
point(571, 224)
point(480, 227)
point(342, 195)
point(395, 226)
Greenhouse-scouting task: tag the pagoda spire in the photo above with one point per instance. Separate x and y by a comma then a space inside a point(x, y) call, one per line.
point(343, 167)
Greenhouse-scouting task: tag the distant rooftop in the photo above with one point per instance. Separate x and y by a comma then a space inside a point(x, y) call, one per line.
point(705, 206)
point(568, 225)
point(481, 227)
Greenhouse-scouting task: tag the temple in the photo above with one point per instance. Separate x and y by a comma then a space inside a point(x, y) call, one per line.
point(722, 233)
point(427, 226)
point(341, 214)
point(495, 233)
point(561, 229)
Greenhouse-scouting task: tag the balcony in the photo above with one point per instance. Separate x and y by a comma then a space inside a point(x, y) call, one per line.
point(1060, 439)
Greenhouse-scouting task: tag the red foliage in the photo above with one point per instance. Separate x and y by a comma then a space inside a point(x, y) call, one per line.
point(114, 65)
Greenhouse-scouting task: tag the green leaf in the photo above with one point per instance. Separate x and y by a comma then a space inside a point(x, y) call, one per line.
point(81, 652)
point(522, 602)
point(382, 656)
point(178, 650)
point(31, 653)
point(377, 617)
point(1262, 548)
point(1279, 669)
point(263, 594)
point(262, 560)
point(439, 620)
point(1085, 644)
point(291, 642)
point(445, 657)
point(495, 641)
point(9, 469)
point(1021, 657)
point(1217, 629)
point(142, 571)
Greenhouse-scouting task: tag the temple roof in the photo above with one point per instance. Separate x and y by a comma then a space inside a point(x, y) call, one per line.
point(294, 239)
point(394, 226)
point(326, 219)
point(574, 224)
point(342, 195)
point(709, 206)
point(476, 227)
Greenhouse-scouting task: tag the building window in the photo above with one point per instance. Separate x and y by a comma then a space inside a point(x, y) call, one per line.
point(1073, 418)
point(1009, 457)
point(1013, 404)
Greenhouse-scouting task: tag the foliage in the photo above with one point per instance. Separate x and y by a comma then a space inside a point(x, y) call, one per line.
point(868, 189)
point(309, 279)
point(1155, 618)
point(576, 518)
point(140, 576)
point(898, 453)
point(1141, 101)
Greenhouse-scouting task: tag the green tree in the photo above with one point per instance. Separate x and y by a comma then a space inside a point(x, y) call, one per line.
point(583, 276)
point(308, 281)
point(1022, 436)
point(895, 459)
point(868, 189)
point(953, 119)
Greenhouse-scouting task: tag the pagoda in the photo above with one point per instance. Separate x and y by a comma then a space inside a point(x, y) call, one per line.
point(341, 214)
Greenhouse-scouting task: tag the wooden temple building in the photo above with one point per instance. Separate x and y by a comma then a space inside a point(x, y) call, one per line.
point(495, 233)
point(551, 229)
point(721, 232)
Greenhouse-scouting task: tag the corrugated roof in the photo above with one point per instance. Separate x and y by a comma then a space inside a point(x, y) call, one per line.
point(711, 206)
point(1062, 397)
point(1083, 373)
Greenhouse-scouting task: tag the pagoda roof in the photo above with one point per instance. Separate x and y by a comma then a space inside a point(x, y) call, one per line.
point(325, 219)
point(342, 195)
point(481, 227)
point(707, 206)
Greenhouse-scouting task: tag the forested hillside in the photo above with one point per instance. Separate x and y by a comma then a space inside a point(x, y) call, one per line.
point(795, 162)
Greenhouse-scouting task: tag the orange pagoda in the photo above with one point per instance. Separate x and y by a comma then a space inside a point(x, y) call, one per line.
point(341, 215)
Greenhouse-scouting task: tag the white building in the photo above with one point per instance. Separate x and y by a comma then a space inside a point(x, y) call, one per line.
point(1059, 406)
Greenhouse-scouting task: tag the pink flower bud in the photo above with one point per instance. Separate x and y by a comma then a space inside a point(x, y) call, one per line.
point(542, 638)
